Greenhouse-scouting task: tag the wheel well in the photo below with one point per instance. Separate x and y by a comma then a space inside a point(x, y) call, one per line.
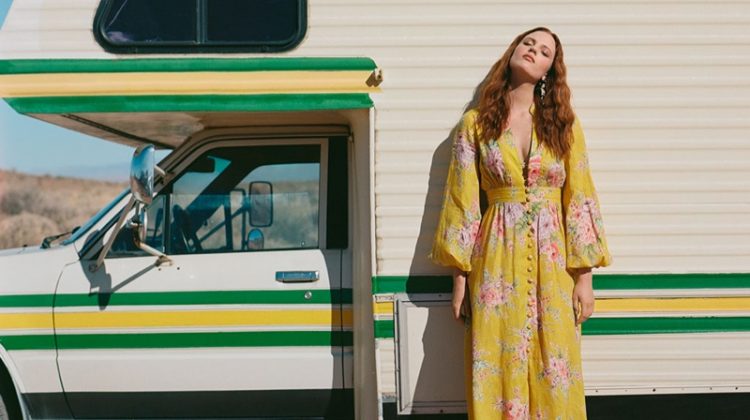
point(9, 394)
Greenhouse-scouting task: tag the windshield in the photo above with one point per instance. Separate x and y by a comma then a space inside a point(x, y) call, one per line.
point(83, 229)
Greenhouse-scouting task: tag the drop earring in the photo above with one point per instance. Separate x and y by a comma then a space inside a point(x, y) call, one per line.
point(543, 86)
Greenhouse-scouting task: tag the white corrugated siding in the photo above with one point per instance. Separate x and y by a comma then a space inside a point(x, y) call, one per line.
point(662, 88)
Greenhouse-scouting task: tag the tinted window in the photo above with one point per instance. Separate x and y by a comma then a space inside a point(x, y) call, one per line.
point(200, 25)
point(266, 21)
point(151, 21)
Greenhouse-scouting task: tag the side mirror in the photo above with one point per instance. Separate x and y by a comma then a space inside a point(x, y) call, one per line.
point(142, 169)
point(142, 174)
point(261, 204)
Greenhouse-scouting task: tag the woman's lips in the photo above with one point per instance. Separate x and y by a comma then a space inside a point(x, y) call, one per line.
point(528, 58)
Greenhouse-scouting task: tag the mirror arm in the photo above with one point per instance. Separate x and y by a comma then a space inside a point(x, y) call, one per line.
point(162, 258)
point(107, 246)
point(160, 171)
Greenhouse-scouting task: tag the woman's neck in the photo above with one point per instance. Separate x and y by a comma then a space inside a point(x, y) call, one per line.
point(522, 97)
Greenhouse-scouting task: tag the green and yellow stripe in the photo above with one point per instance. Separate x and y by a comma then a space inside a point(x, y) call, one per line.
point(298, 317)
point(617, 315)
point(183, 85)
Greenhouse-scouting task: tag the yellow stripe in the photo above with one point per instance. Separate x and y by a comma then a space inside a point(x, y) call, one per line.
point(26, 321)
point(678, 304)
point(193, 83)
point(322, 317)
point(383, 308)
point(196, 318)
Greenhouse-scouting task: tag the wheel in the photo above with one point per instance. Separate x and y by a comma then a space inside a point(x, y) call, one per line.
point(3, 410)
point(9, 407)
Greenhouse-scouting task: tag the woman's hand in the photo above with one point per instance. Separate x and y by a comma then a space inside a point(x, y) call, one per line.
point(459, 292)
point(583, 295)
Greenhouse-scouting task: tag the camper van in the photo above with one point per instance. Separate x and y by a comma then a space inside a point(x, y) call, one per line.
point(274, 263)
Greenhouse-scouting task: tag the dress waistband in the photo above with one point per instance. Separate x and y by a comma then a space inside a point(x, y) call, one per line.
point(520, 195)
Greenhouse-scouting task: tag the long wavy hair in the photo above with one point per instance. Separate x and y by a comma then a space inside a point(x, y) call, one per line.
point(553, 117)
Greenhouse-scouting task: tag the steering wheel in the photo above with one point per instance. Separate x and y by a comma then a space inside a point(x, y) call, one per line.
point(184, 239)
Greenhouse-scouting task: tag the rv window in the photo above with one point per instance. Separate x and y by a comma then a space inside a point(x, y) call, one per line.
point(142, 26)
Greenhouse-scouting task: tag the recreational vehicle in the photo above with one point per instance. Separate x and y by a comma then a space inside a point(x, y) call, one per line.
point(274, 263)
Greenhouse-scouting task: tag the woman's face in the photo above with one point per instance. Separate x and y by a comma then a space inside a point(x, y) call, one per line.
point(533, 56)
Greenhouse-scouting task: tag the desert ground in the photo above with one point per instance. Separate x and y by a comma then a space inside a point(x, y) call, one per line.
point(33, 206)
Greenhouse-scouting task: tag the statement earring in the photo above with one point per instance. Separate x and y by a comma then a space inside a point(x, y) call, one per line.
point(543, 86)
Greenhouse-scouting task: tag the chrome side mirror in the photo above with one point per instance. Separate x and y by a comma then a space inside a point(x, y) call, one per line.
point(142, 174)
point(142, 169)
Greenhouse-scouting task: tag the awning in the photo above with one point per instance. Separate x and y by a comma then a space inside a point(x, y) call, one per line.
point(197, 84)
point(140, 100)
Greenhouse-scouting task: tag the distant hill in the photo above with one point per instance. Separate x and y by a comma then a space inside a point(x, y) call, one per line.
point(33, 207)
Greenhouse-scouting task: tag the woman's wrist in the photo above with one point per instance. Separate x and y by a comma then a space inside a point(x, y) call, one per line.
point(582, 275)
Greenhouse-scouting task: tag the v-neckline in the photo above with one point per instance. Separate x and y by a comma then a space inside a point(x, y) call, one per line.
point(519, 153)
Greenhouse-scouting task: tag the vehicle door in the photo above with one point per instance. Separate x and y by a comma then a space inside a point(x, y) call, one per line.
point(246, 317)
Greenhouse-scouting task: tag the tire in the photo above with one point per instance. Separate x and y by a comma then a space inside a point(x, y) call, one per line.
point(9, 406)
point(3, 411)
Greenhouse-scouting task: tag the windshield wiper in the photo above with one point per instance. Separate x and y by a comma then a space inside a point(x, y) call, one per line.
point(47, 242)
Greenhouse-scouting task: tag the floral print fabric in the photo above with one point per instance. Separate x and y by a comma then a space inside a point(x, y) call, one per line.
point(522, 346)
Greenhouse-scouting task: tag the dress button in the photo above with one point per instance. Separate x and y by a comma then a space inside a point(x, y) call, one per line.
point(530, 257)
point(531, 280)
point(529, 269)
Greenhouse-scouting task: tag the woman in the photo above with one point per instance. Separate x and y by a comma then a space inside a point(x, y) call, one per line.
point(524, 266)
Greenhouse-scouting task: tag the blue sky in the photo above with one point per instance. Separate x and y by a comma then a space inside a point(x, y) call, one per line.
point(33, 146)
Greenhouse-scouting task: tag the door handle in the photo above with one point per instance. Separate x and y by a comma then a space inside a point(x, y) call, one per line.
point(297, 276)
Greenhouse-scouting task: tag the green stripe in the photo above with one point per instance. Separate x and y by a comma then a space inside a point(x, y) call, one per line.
point(235, 297)
point(412, 284)
point(627, 326)
point(28, 342)
point(186, 65)
point(29, 301)
point(190, 103)
point(602, 326)
point(443, 284)
point(672, 281)
point(385, 329)
point(179, 340)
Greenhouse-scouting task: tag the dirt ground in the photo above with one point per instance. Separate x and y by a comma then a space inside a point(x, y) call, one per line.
point(33, 207)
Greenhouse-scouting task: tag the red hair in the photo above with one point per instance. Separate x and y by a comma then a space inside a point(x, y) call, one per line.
point(553, 116)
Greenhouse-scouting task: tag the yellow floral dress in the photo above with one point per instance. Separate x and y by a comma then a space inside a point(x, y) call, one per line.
point(522, 349)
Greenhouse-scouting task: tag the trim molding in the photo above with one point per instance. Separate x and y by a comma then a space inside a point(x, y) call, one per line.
point(190, 103)
point(228, 297)
point(443, 284)
point(135, 65)
point(178, 340)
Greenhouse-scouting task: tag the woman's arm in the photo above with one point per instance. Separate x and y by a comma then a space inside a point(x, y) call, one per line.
point(459, 294)
point(583, 294)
